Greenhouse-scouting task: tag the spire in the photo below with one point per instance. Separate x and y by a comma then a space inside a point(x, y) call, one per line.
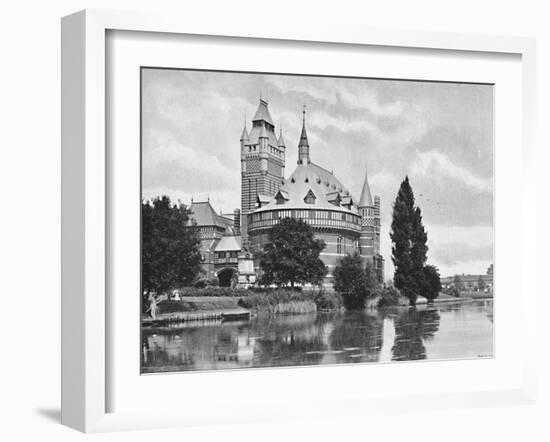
point(244, 135)
point(303, 145)
point(366, 197)
point(281, 142)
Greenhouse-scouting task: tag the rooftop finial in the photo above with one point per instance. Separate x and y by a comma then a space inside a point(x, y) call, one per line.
point(304, 114)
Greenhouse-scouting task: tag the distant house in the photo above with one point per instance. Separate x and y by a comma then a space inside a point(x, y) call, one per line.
point(471, 282)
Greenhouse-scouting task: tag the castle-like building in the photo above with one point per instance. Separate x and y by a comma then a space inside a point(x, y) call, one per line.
point(311, 193)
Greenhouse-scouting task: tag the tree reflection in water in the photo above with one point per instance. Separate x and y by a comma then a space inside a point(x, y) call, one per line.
point(412, 327)
point(398, 334)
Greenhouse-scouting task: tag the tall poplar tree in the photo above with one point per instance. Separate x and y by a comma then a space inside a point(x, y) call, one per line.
point(409, 244)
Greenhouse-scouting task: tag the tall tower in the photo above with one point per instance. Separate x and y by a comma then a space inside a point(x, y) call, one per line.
point(366, 211)
point(262, 163)
point(369, 238)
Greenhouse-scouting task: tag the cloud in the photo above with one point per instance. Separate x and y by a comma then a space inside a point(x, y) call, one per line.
point(368, 100)
point(173, 165)
point(433, 162)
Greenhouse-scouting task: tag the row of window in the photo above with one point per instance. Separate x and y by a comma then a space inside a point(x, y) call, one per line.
point(272, 150)
point(307, 214)
point(233, 254)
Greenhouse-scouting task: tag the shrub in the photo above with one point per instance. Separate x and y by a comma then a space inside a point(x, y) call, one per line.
point(328, 301)
point(452, 291)
point(288, 301)
point(212, 291)
point(206, 282)
point(389, 296)
point(354, 282)
point(431, 282)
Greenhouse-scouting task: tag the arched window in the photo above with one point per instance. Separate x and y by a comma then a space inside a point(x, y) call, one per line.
point(339, 245)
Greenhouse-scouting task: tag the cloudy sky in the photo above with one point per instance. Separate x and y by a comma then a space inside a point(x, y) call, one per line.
point(439, 134)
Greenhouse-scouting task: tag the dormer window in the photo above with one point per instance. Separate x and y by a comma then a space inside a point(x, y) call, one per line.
point(334, 198)
point(310, 197)
point(281, 197)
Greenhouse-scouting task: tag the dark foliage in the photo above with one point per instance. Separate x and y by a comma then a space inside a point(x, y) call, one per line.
point(431, 282)
point(389, 297)
point(354, 281)
point(170, 247)
point(457, 282)
point(292, 255)
point(409, 244)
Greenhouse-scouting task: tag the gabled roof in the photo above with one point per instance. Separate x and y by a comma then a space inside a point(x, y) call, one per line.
point(262, 113)
point(229, 244)
point(204, 214)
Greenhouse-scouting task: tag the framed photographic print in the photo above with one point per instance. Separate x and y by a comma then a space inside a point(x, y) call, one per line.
point(270, 211)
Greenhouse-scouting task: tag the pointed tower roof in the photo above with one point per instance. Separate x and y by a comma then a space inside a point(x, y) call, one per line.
point(281, 142)
point(262, 114)
point(303, 137)
point(366, 197)
point(303, 145)
point(244, 135)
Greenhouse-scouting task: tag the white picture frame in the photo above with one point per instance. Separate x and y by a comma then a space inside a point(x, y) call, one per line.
point(85, 212)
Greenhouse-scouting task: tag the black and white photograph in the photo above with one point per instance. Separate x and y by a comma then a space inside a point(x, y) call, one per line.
point(294, 220)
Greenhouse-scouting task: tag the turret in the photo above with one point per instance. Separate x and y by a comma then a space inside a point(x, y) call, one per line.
point(366, 210)
point(281, 141)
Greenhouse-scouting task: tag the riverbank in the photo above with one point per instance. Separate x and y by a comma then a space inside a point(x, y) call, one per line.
point(243, 305)
point(444, 298)
point(206, 307)
point(198, 308)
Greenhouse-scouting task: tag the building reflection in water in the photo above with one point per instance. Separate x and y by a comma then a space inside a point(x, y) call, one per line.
point(399, 334)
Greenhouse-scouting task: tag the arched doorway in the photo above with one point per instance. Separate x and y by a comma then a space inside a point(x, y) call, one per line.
point(225, 276)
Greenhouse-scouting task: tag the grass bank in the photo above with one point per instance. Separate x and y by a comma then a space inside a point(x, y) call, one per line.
point(291, 302)
point(211, 302)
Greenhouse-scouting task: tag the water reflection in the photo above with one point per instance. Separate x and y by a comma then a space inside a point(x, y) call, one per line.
point(401, 334)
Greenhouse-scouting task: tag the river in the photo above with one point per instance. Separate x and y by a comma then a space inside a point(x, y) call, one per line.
point(443, 331)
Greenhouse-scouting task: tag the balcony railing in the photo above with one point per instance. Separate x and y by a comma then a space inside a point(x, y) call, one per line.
point(352, 222)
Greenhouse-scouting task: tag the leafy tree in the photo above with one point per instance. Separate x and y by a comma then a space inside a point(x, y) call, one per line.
point(480, 283)
point(291, 255)
point(354, 281)
point(409, 243)
point(170, 256)
point(432, 282)
point(457, 282)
